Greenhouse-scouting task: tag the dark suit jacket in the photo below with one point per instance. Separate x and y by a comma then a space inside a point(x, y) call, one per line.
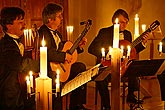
point(105, 39)
point(54, 55)
point(12, 64)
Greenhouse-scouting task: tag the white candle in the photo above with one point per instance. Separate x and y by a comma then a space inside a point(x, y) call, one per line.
point(57, 81)
point(103, 52)
point(27, 37)
point(110, 50)
point(122, 51)
point(128, 51)
point(160, 47)
point(136, 26)
point(116, 35)
point(31, 79)
point(69, 33)
point(24, 37)
point(143, 27)
point(43, 60)
point(30, 37)
point(28, 84)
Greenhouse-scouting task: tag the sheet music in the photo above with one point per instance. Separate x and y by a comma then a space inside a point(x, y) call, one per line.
point(81, 79)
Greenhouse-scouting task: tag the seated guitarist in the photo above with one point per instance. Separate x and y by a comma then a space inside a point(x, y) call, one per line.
point(52, 19)
point(105, 39)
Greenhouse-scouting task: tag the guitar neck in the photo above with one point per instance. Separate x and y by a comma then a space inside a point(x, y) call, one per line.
point(83, 33)
point(152, 27)
point(76, 43)
point(136, 41)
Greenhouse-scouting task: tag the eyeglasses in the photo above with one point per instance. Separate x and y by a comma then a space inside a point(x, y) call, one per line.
point(59, 16)
point(122, 22)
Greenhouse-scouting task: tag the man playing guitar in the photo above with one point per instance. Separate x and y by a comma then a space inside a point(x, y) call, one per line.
point(52, 19)
point(105, 39)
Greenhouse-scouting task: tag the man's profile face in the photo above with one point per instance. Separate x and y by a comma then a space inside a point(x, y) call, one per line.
point(17, 28)
point(123, 22)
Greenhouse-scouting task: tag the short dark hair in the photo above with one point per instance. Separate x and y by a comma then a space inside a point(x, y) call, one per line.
point(119, 12)
point(50, 11)
point(9, 14)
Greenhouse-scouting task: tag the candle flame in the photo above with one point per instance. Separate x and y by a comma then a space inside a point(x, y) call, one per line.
point(129, 47)
point(102, 49)
point(27, 78)
point(69, 29)
point(136, 16)
point(117, 20)
point(143, 27)
point(43, 42)
point(160, 43)
point(30, 73)
point(58, 71)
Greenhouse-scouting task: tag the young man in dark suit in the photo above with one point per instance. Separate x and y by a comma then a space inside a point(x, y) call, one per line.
point(105, 39)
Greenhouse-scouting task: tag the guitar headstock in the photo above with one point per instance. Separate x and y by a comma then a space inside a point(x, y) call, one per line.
point(154, 25)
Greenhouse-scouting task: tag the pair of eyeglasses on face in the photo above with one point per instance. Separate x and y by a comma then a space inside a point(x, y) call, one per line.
point(123, 22)
point(59, 16)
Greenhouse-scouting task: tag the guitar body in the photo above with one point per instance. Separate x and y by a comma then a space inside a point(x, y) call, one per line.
point(124, 62)
point(126, 43)
point(64, 75)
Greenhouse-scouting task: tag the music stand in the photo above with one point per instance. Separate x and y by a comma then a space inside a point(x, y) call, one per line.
point(140, 68)
point(144, 67)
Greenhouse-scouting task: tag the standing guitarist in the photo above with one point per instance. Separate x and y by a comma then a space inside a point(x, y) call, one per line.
point(105, 39)
point(52, 19)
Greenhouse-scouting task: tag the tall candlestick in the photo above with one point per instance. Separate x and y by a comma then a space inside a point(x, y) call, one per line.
point(30, 37)
point(143, 27)
point(122, 51)
point(58, 81)
point(28, 84)
point(43, 60)
point(116, 35)
point(160, 47)
point(128, 51)
point(69, 33)
point(103, 52)
point(136, 26)
point(115, 79)
point(31, 79)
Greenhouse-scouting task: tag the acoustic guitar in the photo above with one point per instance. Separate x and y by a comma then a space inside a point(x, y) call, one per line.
point(133, 53)
point(70, 48)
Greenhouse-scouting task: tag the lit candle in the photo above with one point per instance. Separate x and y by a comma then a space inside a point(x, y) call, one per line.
point(25, 36)
point(28, 84)
point(122, 51)
point(143, 27)
point(69, 33)
point(108, 56)
point(57, 81)
point(128, 51)
point(31, 79)
point(136, 26)
point(30, 37)
point(160, 47)
point(103, 52)
point(116, 35)
point(43, 60)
